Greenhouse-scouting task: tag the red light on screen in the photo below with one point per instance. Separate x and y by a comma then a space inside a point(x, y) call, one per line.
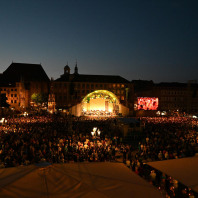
point(147, 103)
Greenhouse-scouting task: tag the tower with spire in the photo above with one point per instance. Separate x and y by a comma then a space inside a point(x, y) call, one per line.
point(51, 98)
point(76, 69)
point(66, 69)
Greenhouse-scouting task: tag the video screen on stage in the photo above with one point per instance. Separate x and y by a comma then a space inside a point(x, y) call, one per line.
point(147, 103)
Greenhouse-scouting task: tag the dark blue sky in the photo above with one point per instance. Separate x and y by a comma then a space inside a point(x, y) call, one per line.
point(136, 39)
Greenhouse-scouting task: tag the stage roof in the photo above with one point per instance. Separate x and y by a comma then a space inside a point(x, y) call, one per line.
point(184, 170)
point(81, 180)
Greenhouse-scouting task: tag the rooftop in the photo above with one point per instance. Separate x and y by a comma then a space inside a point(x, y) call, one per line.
point(93, 78)
point(26, 72)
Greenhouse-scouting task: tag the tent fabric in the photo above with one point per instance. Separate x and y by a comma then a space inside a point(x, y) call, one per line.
point(98, 180)
point(184, 170)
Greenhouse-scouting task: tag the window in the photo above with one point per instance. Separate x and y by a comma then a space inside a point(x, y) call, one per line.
point(15, 95)
point(11, 101)
point(15, 101)
point(11, 95)
point(11, 89)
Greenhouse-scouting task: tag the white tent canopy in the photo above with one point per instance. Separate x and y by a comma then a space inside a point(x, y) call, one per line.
point(184, 170)
point(74, 180)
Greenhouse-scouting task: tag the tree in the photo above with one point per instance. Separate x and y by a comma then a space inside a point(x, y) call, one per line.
point(39, 98)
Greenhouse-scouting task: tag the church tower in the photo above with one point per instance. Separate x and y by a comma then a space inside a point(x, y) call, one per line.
point(66, 69)
point(51, 99)
point(76, 69)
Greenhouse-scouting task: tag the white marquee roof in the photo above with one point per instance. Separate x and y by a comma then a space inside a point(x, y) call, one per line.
point(82, 180)
point(185, 170)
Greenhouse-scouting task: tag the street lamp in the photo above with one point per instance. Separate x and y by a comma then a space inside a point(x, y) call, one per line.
point(95, 132)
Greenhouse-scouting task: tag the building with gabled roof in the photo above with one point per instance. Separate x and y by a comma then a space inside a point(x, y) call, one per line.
point(25, 71)
point(20, 80)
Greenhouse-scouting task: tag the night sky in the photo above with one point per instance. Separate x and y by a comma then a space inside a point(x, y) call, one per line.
point(136, 39)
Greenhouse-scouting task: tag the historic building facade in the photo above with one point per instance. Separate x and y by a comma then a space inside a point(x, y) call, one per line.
point(82, 94)
point(72, 89)
point(181, 97)
point(20, 81)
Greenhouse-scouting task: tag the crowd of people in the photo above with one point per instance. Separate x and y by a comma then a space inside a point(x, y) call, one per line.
point(56, 139)
point(165, 138)
point(168, 138)
point(28, 140)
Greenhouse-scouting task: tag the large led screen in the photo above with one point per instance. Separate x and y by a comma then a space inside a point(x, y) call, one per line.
point(147, 103)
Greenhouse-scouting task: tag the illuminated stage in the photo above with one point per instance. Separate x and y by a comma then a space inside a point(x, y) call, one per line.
point(100, 103)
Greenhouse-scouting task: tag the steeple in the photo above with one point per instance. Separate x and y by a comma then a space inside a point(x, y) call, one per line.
point(76, 69)
point(66, 69)
point(51, 98)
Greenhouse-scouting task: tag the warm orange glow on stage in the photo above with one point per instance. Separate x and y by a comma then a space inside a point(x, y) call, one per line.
point(100, 102)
